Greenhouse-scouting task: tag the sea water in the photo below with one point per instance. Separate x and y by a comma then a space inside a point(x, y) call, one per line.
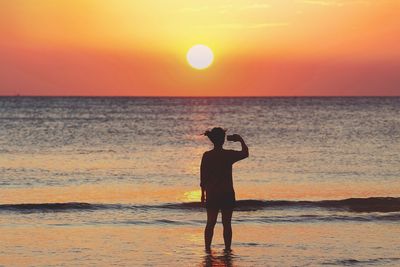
point(115, 181)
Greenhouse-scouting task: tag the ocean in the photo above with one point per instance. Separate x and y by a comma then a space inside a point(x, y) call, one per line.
point(114, 181)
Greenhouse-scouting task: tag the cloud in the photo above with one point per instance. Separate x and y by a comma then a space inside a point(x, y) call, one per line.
point(193, 9)
point(321, 2)
point(256, 6)
point(224, 8)
point(236, 26)
point(332, 2)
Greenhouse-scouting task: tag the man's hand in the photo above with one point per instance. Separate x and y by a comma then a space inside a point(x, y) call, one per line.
point(236, 138)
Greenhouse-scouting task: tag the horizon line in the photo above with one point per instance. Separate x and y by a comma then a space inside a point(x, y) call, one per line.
point(200, 96)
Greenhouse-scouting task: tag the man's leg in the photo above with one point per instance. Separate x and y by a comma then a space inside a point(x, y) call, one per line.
point(212, 215)
point(226, 221)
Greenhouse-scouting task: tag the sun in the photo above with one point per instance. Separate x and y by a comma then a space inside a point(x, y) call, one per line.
point(200, 56)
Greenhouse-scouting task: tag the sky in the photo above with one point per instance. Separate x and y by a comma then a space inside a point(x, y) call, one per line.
point(261, 48)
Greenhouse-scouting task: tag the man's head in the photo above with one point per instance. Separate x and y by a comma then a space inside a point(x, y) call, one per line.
point(216, 136)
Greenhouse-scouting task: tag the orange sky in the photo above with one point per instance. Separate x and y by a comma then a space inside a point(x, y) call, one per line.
point(270, 47)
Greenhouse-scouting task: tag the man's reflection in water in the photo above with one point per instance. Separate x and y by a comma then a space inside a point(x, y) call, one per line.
point(211, 259)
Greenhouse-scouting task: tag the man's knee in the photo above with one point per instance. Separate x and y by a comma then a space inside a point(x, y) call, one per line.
point(211, 224)
point(227, 223)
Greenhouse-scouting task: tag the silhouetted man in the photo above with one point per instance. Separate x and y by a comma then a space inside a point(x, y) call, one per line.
point(216, 183)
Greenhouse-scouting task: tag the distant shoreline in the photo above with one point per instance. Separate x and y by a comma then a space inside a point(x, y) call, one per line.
point(100, 96)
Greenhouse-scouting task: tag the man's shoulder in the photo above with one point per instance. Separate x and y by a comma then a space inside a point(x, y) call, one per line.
point(207, 153)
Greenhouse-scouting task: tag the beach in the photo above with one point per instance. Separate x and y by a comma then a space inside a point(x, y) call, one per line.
point(101, 181)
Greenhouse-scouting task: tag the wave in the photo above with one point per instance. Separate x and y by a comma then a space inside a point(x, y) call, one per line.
point(52, 206)
point(351, 262)
point(247, 220)
point(373, 204)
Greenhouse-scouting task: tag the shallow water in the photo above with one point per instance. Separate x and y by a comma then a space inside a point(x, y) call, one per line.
point(125, 172)
point(313, 244)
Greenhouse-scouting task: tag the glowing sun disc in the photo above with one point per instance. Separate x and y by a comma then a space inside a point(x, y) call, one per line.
point(200, 56)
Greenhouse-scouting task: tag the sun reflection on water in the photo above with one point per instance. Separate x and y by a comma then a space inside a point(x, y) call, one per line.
point(192, 195)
